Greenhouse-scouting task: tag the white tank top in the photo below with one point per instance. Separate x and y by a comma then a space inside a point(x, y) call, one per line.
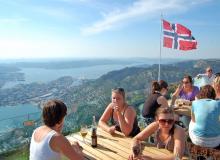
point(41, 150)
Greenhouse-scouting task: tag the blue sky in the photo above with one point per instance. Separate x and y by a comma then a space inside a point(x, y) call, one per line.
point(104, 28)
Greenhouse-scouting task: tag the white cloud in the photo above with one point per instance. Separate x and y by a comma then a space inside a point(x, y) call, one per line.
point(140, 8)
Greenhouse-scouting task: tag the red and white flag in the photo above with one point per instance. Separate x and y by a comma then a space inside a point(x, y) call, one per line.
point(177, 36)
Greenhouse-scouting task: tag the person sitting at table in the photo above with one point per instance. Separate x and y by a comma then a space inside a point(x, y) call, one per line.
point(216, 85)
point(121, 115)
point(47, 142)
point(204, 128)
point(166, 135)
point(186, 90)
point(155, 100)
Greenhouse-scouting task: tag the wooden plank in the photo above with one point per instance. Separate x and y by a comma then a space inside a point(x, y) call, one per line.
point(101, 151)
point(125, 142)
point(119, 137)
point(113, 147)
point(86, 149)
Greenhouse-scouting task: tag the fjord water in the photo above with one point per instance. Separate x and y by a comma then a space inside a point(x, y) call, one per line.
point(14, 116)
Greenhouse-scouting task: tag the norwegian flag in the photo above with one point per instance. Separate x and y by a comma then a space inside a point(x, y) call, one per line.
point(177, 36)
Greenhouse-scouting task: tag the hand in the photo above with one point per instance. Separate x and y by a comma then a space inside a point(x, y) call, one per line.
point(140, 157)
point(133, 157)
point(116, 108)
point(180, 86)
point(112, 130)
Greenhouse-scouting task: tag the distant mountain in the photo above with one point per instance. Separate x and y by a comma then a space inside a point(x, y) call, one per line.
point(92, 97)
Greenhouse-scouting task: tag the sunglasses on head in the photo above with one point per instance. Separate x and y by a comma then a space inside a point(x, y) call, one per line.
point(168, 121)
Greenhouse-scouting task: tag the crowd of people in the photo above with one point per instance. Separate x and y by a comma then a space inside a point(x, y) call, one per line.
point(204, 123)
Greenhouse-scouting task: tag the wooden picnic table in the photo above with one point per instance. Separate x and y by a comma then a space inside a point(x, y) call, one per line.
point(181, 109)
point(112, 147)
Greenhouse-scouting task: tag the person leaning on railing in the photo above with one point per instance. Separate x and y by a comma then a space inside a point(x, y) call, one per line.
point(123, 117)
point(47, 142)
point(166, 135)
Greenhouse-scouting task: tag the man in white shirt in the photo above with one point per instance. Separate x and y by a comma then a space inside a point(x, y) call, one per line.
point(207, 77)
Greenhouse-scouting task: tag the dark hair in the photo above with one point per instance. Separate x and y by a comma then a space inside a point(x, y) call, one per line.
point(119, 90)
point(163, 84)
point(53, 112)
point(188, 77)
point(155, 86)
point(206, 91)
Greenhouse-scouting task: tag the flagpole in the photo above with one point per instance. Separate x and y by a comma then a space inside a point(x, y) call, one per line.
point(161, 18)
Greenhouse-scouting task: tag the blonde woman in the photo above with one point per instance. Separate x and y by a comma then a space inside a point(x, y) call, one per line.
point(121, 115)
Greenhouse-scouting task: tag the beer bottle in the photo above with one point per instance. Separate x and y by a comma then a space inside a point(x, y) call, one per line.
point(94, 137)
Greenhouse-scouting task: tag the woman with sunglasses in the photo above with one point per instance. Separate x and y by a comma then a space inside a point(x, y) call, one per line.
point(166, 135)
point(121, 115)
point(186, 90)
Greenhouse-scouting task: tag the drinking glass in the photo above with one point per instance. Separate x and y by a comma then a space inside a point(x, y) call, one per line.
point(136, 149)
point(83, 132)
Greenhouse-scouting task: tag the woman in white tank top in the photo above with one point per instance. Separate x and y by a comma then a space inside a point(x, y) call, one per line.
point(47, 142)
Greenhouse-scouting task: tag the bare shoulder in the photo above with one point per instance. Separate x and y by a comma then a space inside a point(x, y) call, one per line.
point(130, 110)
point(58, 138)
point(179, 131)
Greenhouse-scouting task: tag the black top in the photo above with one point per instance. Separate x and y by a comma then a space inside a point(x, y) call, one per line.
point(151, 105)
point(135, 129)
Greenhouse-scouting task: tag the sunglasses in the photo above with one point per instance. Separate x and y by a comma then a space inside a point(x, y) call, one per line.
point(168, 121)
point(209, 70)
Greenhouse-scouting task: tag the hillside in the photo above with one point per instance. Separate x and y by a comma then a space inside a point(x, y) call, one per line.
point(91, 97)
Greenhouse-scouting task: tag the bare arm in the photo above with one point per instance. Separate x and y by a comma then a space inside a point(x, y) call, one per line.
point(59, 143)
point(177, 92)
point(162, 101)
point(179, 141)
point(126, 122)
point(104, 119)
point(148, 131)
